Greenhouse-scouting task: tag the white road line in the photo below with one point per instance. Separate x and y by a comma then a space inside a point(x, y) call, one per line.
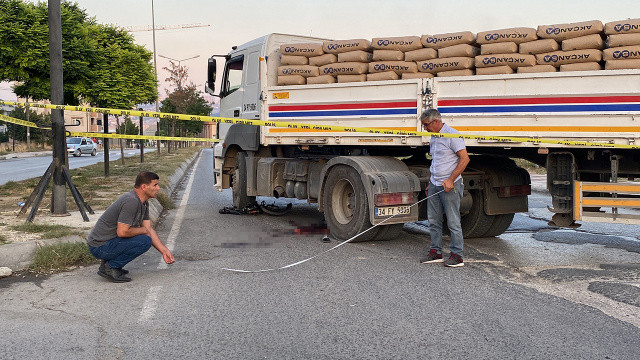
point(150, 304)
point(177, 222)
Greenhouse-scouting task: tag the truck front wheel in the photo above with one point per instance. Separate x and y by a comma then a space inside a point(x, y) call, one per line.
point(239, 183)
point(346, 207)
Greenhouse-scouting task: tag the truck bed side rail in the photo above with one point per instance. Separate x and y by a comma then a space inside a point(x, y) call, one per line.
point(619, 195)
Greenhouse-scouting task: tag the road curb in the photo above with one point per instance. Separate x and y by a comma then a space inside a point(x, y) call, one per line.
point(19, 255)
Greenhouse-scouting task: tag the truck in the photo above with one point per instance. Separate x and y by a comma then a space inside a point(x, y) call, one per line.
point(361, 179)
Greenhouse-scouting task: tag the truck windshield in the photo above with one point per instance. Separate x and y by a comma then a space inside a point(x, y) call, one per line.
point(234, 75)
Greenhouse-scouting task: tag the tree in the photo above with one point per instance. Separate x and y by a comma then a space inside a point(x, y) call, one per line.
point(37, 134)
point(184, 99)
point(101, 63)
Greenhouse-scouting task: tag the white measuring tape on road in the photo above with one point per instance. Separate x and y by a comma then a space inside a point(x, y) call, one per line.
point(331, 249)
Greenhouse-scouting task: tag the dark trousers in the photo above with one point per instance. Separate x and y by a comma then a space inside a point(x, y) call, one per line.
point(118, 251)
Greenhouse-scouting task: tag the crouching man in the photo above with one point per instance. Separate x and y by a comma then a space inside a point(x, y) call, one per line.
point(124, 231)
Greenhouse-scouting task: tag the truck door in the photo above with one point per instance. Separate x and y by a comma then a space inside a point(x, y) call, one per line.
point(232, 92)
point(251, 99)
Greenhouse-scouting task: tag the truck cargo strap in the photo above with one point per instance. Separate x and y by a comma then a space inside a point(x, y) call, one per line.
point(617, 195)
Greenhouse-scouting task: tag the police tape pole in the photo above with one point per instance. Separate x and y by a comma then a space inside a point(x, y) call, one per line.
point(331, 249)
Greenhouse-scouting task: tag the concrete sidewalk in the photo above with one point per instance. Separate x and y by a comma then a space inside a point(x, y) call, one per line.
point(21, 155)
point(19, 255)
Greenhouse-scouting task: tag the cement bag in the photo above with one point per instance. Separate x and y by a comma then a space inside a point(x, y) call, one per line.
point(403, 43)
point(593, 41)
point(351, 78)
point(622, 27)
point(323, 60)
point(536, 69)
point(307, 50)
point(355, 56)
point(417, 76)
point(499, 48)
point(388, 55)
point(387, 75)
point(294, 60)
point(304, 70)
point(558, 58)
point(623, 40)
point(516, 35)
point(622, 53)
point(539, 46)
point(449, 39)
point(347, 68)
point(465, 72)
point(561, 32)
point(399, 67)
point(322, 79)
point(340, 46)
point(291, 80)
point(494, 70)
point(420, 55)
point(464, 50)
point(622, 64)
point(512, 60)
point(588, 66)
point(446, 64)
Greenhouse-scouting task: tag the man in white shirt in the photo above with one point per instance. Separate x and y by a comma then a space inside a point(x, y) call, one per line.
point(449, 159)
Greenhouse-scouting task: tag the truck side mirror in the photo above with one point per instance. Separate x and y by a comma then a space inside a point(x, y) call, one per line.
point(210, 86)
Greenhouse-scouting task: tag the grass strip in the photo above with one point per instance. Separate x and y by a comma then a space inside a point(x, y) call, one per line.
point(61, 257)
point(47, 231)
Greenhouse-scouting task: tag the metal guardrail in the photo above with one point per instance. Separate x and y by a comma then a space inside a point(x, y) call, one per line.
point(624, 195)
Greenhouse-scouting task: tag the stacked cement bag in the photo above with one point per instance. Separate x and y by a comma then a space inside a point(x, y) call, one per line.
point(581, 45)
point(389, 61)
point(499, 50)
point(455, 51)
point(343, 61)
point(623, 43)
point(294, 68)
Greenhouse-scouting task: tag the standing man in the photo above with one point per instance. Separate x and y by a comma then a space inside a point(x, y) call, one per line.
point(449, 159)
point(124, 231)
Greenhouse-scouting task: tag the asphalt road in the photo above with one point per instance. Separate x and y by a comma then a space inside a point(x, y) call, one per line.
point(534, 292)
point(17, 169)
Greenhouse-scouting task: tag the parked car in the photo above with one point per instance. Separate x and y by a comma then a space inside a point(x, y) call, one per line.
point(77, 146)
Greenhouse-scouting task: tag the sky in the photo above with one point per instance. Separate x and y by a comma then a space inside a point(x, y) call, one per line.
point(236, 22)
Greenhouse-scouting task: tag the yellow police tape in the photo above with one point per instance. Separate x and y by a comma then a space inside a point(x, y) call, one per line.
point(304, 126)
point(103, 135)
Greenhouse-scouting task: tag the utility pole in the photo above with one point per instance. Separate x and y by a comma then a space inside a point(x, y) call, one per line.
point(59, 193)
point(141, 140)
point(105, 142)
point(155, 66)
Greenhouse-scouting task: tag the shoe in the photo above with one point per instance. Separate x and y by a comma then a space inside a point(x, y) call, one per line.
point(124, 271)
point(432, 257)
point(114, 274)
point(454, 260)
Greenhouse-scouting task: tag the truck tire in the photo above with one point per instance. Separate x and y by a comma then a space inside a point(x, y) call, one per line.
point(346, 207)
point(239, 183)
point(500, 224)
point(476, 223)
point(388, 232)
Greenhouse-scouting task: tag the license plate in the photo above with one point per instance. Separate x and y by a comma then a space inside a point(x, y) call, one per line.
point(392, 210)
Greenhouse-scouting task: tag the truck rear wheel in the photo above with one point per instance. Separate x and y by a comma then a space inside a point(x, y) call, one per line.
point(476, 223)
point(346, 206)
point(388, 232)
point(500, 224)
point(239, 183)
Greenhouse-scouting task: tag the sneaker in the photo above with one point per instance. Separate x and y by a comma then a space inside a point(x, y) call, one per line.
point(113, 274)
point(432, 257)
point(454, 260)
point(124, 271)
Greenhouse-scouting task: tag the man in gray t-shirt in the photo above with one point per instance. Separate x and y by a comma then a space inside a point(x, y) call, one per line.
point(124, 231)
point(449, 159)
